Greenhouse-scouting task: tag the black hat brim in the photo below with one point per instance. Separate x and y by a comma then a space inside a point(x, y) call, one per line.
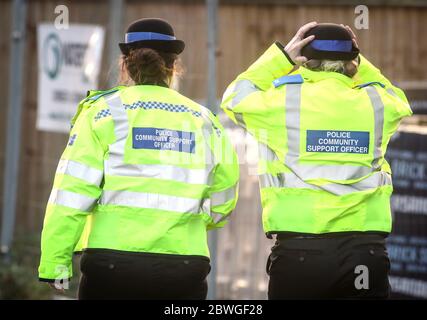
point(310, 53)
point(170, 46)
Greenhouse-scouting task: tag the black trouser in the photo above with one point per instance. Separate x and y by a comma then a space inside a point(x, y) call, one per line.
point(332, 267)
point(109, 274)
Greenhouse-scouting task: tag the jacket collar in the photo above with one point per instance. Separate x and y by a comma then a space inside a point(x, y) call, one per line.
point(315, 76)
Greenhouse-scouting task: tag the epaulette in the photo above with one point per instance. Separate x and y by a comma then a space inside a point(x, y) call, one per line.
point(292, 78)
point(101, 94)
point(363, 85)
point(91, 97)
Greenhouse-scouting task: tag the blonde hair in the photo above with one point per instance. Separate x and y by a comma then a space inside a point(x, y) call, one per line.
point(346, 67)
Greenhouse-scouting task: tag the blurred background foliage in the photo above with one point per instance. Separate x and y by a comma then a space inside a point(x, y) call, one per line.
point(18, 273)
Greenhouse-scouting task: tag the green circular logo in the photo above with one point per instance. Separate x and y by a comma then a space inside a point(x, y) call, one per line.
point(52, 55)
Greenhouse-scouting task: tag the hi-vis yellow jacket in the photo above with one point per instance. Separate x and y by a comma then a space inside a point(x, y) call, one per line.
point(145, 170)
point(322, 137)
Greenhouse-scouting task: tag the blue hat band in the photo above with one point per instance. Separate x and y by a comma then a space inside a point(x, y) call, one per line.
point(332, 45)
point(143, 36)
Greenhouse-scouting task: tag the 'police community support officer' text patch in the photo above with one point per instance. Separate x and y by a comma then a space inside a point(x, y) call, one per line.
point(337, 141)
point(163, 139)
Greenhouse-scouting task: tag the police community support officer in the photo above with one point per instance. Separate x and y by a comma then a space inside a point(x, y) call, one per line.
point(322, 131)
point(145, 174)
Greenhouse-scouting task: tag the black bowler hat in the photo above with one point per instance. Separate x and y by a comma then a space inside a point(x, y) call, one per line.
point(332, 42)
point(151, 33)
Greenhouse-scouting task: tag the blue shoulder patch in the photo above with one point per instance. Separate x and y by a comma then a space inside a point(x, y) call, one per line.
point(363, 85)
point(99, 95)
point(293, 78)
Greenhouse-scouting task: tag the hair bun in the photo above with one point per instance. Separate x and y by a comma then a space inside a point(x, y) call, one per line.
point(148, 66)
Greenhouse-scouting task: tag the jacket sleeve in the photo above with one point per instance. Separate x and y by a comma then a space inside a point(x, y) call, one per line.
point(248, 95)
point(368, 73)
point(223, 190)
point(75, 191)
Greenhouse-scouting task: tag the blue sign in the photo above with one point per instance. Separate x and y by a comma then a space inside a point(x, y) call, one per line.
point(337, 141)
point(163, 139)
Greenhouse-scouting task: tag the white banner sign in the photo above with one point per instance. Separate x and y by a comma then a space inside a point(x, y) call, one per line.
point(69, 63)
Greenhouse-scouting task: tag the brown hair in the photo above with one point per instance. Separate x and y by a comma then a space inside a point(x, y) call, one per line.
point(147, 66)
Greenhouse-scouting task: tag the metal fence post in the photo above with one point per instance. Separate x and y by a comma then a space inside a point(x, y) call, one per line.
point(13, 133)
point(212, 7)
point(114, 36)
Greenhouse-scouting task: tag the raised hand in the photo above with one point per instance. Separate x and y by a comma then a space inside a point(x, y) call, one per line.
point(353, 36)
point(293, 48)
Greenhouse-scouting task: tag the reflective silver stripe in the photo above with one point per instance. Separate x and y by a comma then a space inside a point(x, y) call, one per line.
point(239, 119)
point(293, 181)
point(268, 180)
point(218, 217)
point(80, 171)
point(301, 173)
point(151, 201)
point(116, 166)
point(242, 89)
point(71, 200)
point(376, 180)
point(391, 91)
point(283, 180)
point(121, 130)
point(206, 206)
point(344, 172)
point(378, 106)
point(292, 117)
point(290, 180)
point(208, 135)
point(160, 171)
point(265, 153)
point(394, 94)
point(219, 198)
point(207, 130)
point(308, 172)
